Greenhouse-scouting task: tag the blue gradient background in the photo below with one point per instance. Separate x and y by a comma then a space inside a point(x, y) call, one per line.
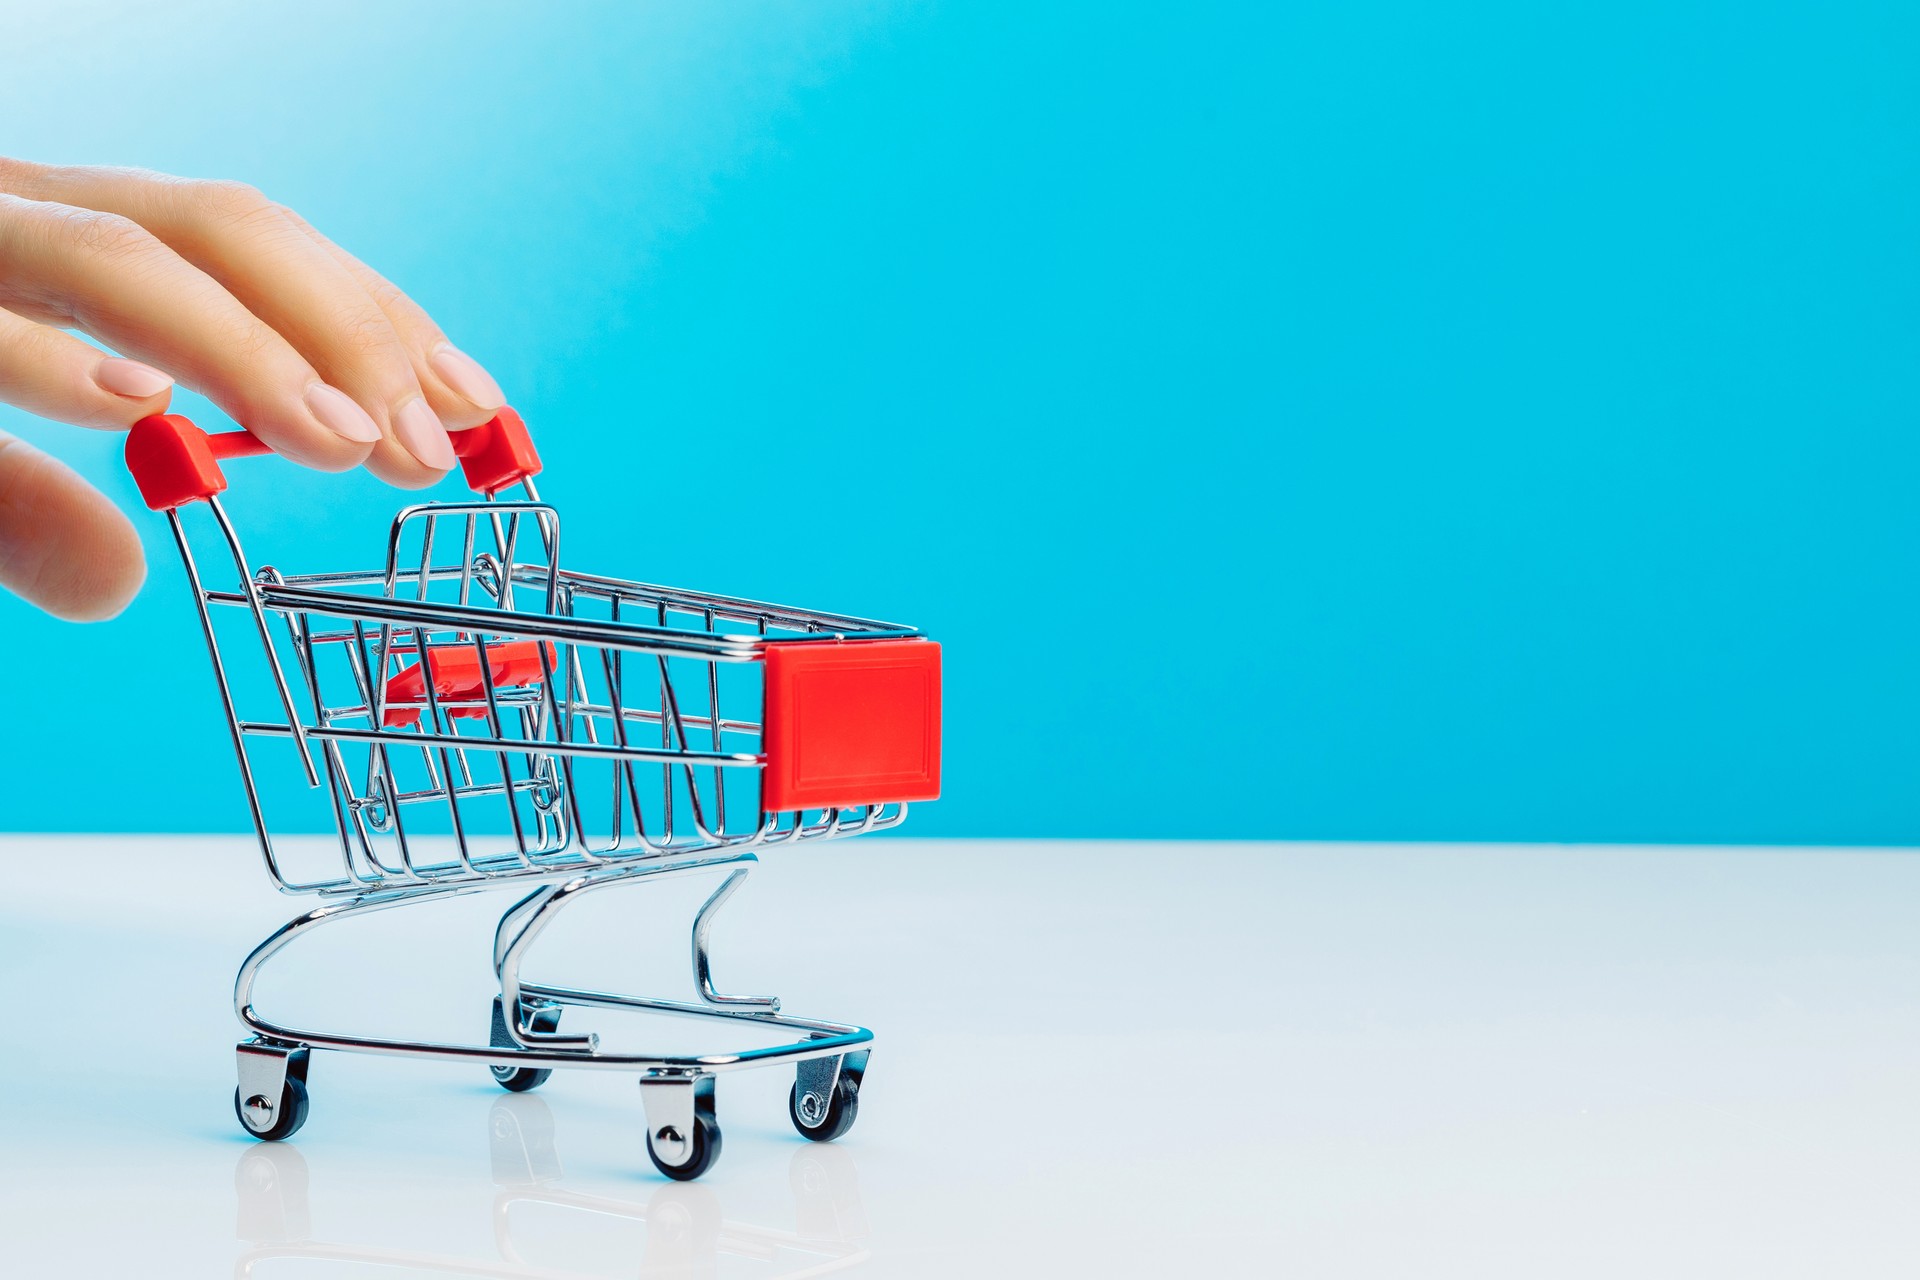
point(1362, 420)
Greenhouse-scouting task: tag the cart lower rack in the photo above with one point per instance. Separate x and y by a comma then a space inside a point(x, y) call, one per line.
point(477, 717)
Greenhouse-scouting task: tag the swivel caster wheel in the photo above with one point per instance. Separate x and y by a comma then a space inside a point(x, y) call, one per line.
point(272, 1121)
point(706, 1148)
point(824, 1119)
point(521, 1079)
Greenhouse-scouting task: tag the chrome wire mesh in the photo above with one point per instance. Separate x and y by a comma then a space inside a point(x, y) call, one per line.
point(476, 712)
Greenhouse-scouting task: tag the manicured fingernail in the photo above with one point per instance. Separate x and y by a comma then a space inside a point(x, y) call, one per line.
point(463, 373)
point(418, 428)
point(130, 378)
point(339, 414)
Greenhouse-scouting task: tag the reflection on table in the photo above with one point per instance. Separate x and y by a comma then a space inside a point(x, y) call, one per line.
point(685, 1229)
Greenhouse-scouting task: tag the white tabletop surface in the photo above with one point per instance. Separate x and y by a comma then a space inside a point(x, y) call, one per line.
point(1093, 1058)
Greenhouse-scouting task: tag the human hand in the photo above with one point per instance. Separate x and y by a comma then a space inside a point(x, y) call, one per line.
point(215, 285)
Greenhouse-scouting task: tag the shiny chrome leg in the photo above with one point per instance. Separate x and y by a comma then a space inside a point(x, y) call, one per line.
point(517, 929)
point(683, 1136)
point(535, 914)
point(702, 965)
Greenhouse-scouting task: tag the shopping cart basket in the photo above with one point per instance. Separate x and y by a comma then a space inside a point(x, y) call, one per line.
point(483, 718)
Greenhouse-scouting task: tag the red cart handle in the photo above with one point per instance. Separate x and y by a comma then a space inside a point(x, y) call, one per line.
point(175, 462)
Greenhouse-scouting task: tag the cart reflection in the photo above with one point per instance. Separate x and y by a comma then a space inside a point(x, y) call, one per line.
point(683, 1230)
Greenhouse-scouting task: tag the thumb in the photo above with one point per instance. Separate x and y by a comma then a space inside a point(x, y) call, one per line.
point(63, 545)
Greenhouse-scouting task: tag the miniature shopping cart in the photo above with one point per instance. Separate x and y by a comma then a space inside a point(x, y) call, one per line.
point(483, 718)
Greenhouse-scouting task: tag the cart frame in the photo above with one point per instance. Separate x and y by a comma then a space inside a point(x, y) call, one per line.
point(402, 657)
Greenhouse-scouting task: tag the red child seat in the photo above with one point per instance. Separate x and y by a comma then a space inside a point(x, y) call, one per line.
point(459, 678)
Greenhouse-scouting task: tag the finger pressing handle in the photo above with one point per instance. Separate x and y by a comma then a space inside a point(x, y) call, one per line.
point(175, 462)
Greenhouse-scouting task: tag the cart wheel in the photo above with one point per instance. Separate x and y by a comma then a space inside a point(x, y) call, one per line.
point(706, 1149)
point(521, 1079)
point(828, 1122)
point(287, 1117)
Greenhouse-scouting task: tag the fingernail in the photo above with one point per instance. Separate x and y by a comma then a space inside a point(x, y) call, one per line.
point(339, 414)
point(463, 373)
point(130, 378)
point(418, 428)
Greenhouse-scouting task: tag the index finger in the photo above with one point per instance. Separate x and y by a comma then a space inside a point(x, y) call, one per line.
point(109, 276)
point(462, 392)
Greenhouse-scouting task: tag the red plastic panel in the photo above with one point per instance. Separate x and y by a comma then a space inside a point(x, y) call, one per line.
point(173, 462)
point(458, 677)
point(852, 723)
point(497, 454)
